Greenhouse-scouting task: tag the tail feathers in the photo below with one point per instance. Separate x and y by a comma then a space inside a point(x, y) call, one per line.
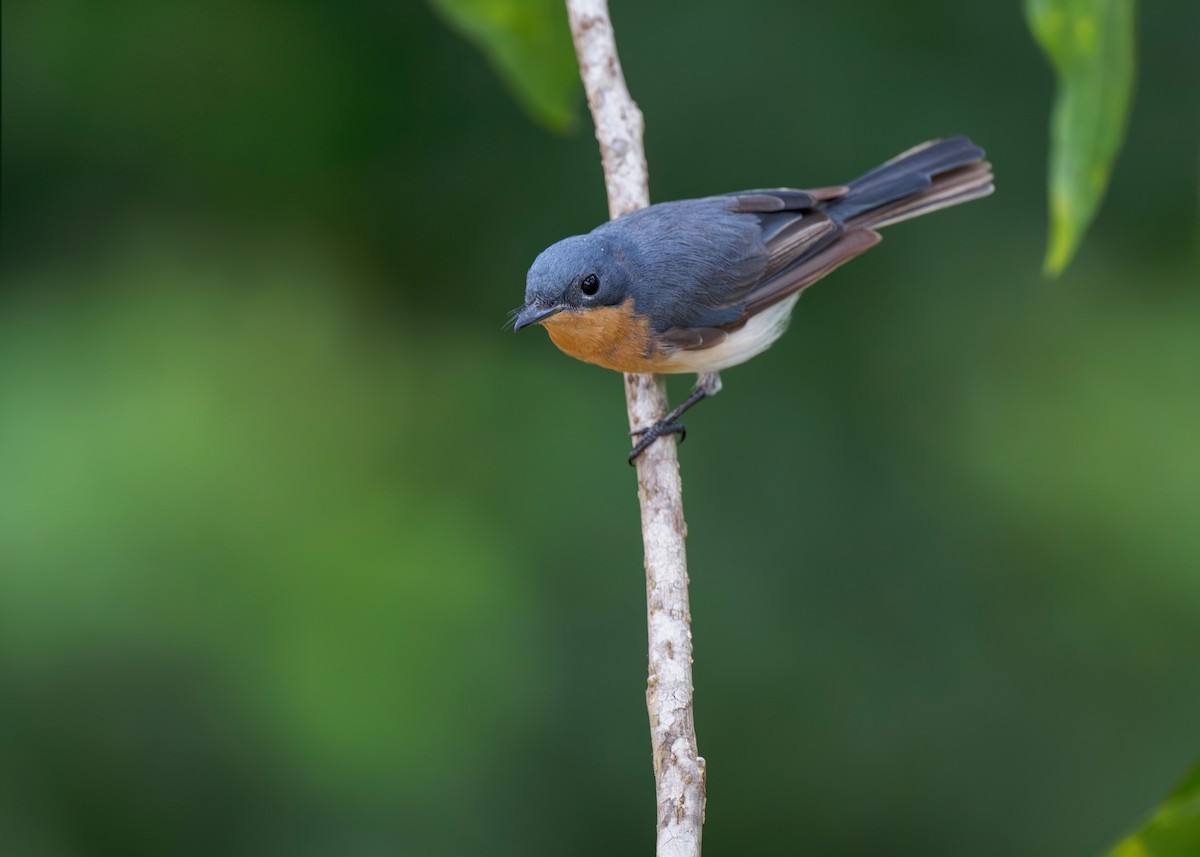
point(951, 188)
point(934, 175)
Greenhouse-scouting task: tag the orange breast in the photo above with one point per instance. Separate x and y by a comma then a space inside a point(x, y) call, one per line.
point(613, 337)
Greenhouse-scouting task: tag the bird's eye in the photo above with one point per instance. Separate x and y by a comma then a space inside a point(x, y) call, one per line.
point(590, 284)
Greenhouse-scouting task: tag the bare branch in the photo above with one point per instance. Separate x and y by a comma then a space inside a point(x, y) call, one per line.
point(678, 768)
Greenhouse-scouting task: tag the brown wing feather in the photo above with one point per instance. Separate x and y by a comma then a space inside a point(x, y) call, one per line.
point(803, 244)
point(799, 236)
point(775, 199)
point(693, 338)
point(792, 222)
point(807, 270)
point(821, 194)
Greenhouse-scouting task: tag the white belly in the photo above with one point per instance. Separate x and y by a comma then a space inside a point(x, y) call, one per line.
point(751, 340)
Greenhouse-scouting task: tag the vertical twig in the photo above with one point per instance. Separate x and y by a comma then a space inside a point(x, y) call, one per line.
point(678, 768)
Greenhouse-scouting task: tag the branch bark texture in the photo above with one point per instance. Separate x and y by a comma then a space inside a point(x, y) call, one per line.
point(678, 767)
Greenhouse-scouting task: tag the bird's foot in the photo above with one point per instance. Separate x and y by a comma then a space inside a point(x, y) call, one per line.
point(652, 433)
point(707, 384)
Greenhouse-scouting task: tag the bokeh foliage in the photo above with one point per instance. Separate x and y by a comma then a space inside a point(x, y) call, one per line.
point(528, 43)
point(301, 552)
point(1090, 43)
point(1174, 829)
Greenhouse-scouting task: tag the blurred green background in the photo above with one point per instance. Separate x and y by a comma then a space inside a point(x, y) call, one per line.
point(302, 552)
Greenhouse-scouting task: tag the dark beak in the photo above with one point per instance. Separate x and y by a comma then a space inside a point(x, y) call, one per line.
point(534, 313)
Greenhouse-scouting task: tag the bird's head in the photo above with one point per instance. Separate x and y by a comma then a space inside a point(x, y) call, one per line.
point(576, 274)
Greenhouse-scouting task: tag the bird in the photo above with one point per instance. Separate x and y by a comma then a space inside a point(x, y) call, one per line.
point(702, 285)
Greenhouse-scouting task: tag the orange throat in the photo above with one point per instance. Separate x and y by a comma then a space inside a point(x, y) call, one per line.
point(612, 336)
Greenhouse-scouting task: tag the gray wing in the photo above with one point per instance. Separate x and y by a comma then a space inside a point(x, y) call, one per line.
point(802, 235)
point(800, 243)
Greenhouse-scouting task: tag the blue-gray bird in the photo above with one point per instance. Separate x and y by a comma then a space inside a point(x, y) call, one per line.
point(700, 285)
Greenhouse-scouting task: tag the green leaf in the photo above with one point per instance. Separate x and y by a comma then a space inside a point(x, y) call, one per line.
point(1090, 43)
point(528, 43)
point(1174, 829)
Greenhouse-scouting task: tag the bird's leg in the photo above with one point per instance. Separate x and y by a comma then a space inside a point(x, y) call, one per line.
point(707, 384)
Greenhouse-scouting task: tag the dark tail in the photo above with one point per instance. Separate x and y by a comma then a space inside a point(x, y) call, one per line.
point(930, 176)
